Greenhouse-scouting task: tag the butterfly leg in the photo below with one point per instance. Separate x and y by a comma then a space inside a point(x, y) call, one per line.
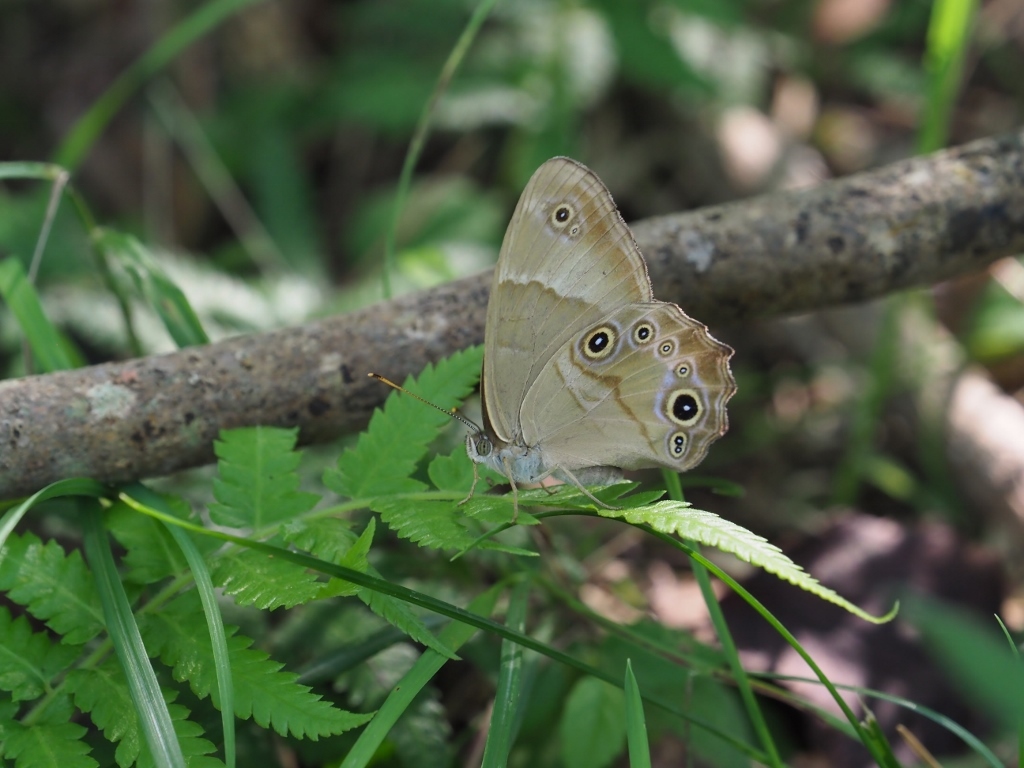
point(572, 478)
point(515, 490)
point(472, 488)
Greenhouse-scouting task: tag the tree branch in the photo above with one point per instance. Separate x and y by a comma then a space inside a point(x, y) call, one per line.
point(909, 224)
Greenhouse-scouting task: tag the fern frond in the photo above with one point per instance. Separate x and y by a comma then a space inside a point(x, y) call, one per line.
point(399, 615)
point(28, 660)
point(392, 610)
point(330, 539)
point(454, 473)
point(258, 485)
point(389, 450)
point(197, 749)
point(253, 578)
point(435, 524)
point(151, 552)
point(55, 587)
point(47, 745)
point(263, 691)
point(102, 693)
point(678, 519)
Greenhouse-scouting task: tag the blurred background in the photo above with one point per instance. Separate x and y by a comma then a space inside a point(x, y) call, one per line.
point(259, 164)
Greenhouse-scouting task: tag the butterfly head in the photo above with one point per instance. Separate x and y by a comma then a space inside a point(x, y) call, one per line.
point(479, 447)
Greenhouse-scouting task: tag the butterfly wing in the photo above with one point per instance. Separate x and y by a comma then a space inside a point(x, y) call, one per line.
point(651, 393)
point(568, 259)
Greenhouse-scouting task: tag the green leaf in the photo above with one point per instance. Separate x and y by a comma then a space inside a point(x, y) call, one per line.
point(330, 539)
point(152, 553)
point(678, 519)
point(388, 452)
point(155, 721)
point(255, 578)
point(155, 286)
point(507, 710)
point(451, 473)
point(593, 729)
point(636, 723)
point(976, 658)
point(263, 691)
point(102, 693)
point(28, 660)
point(400, 616)
point(54, 587)
point(44, 339)
point(47, 746)
point(412, 683)
point(196, 748)
point(258, 485)
point(439, 525)
point(455, 473)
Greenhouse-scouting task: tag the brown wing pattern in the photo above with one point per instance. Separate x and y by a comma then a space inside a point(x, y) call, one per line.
point(567, 260)
point(640, 401)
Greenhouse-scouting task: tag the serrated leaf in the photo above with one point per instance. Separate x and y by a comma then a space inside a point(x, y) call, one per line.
point(263, 691)
point(455, 473)
point(102, 693)
point(258, 485)
point(152, 553)
point(400, 616)
point(451, 473)
point(677, 518)
point(398, 436)
point(428, 523)
point(196, 748)
point(55, 587)
point(255, 578)
point(330, 539)
point(592, 728)
point(28, 660)
point(47, 746)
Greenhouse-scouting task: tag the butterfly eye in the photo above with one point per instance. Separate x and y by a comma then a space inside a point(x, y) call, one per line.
point(677, 444)
point(683, 406)
point(599, 343)
point(666, 348)
point(643, 333)
point(483, 445)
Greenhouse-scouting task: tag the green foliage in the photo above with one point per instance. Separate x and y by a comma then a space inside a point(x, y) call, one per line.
point(540, 79)
point(400, 434)
point(54, 586)
point(23, 300)
point(29, 660)
point(47, 745)
point(676, 518)
point(263, 691)
point(257, 485)
point(593, 727)
point(102, 693)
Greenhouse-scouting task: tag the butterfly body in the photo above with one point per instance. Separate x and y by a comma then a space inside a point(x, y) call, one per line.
point(585, 373)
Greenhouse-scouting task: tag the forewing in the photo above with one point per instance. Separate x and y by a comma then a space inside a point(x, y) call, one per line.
point(567, 260)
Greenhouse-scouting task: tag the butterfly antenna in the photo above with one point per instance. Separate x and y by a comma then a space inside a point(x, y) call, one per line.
point(451, 413)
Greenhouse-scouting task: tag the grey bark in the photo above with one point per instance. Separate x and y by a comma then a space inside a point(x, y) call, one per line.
point(909, 224)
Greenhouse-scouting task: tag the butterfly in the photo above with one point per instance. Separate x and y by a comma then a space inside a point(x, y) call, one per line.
point(585, 373)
